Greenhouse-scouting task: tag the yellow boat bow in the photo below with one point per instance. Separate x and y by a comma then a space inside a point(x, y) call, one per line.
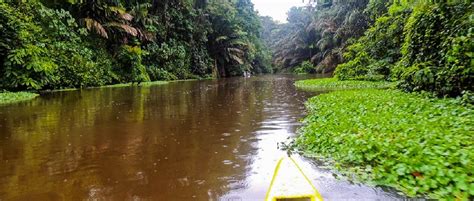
point(290, 183)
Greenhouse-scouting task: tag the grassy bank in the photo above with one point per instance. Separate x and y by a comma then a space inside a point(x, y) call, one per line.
point(334, 84)
point(117, 85)
point(12, 97)
point(418, 145)
point(134, 84)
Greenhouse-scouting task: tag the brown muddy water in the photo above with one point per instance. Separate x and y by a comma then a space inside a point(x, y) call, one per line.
point(190, 140)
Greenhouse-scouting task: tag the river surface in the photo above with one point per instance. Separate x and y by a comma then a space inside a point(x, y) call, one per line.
point(189, 140)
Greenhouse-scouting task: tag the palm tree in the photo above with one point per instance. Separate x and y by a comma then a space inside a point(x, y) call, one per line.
point(227, 41)
point(107, 18)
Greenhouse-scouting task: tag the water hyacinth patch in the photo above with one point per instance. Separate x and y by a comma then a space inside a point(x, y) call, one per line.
point(334, 84)
point(418, 145)
point(12, 97)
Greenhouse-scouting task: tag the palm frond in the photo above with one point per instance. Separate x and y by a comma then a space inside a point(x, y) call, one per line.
point(236, 58)
point(126, 16)
point(126, 28)
point(93, 24)
point(118, 10)
point(238, 42)
point(221, 38)
point(145, 35)
point(235, 50)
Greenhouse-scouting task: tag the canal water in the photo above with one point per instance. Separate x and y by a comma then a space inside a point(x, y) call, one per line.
point(189, 140)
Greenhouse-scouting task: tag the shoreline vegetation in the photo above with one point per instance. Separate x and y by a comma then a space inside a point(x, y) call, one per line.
point(378, 130)
point(418, 135)
point(78, 44)
point(14, 97)
point(419, 145)
point(142, 84)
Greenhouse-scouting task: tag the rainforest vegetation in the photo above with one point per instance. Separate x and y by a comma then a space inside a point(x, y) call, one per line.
point(51, 44)
point(421, 45)
point(420, 142)
point(404, 119)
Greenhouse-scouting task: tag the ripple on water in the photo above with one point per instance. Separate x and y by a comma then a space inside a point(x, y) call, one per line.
point(199, 182)
point(227, 162)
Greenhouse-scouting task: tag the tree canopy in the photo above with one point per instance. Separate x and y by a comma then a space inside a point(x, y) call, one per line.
point(52, 44)
point(49, 44)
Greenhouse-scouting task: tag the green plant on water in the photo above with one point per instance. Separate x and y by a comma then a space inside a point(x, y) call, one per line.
point(421, 146)
point(12, 97)
point(152, 83)
point(334, 84)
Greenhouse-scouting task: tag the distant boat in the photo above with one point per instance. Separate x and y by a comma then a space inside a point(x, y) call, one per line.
point(289, 183)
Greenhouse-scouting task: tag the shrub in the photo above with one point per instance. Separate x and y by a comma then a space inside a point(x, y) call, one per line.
point(170, 57)
point(305, 67)
point(78, 64)
point(130, 58)
point(157, 73)
point(358, 67)
point(49, 51)
point(427, 48)
point(373, 56)
point(438, 50)
point(26, 60)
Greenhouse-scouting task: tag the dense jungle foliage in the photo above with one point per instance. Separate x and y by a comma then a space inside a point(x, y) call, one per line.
point(318, 32)
point(411, 141)
point(49, 44)
point(423, 45)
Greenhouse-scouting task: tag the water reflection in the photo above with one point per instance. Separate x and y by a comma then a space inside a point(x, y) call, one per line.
point(199, 140)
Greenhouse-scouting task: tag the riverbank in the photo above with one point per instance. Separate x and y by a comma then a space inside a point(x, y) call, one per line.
point(13, 97)
point(132, 84)
point(420, 146)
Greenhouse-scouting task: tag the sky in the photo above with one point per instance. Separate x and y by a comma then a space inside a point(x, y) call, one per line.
point(277, 9)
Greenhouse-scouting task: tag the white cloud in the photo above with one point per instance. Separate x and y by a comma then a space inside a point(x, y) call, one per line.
point(277, 9)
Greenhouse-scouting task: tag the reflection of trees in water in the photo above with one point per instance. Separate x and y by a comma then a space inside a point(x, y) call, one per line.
point(137, 142)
